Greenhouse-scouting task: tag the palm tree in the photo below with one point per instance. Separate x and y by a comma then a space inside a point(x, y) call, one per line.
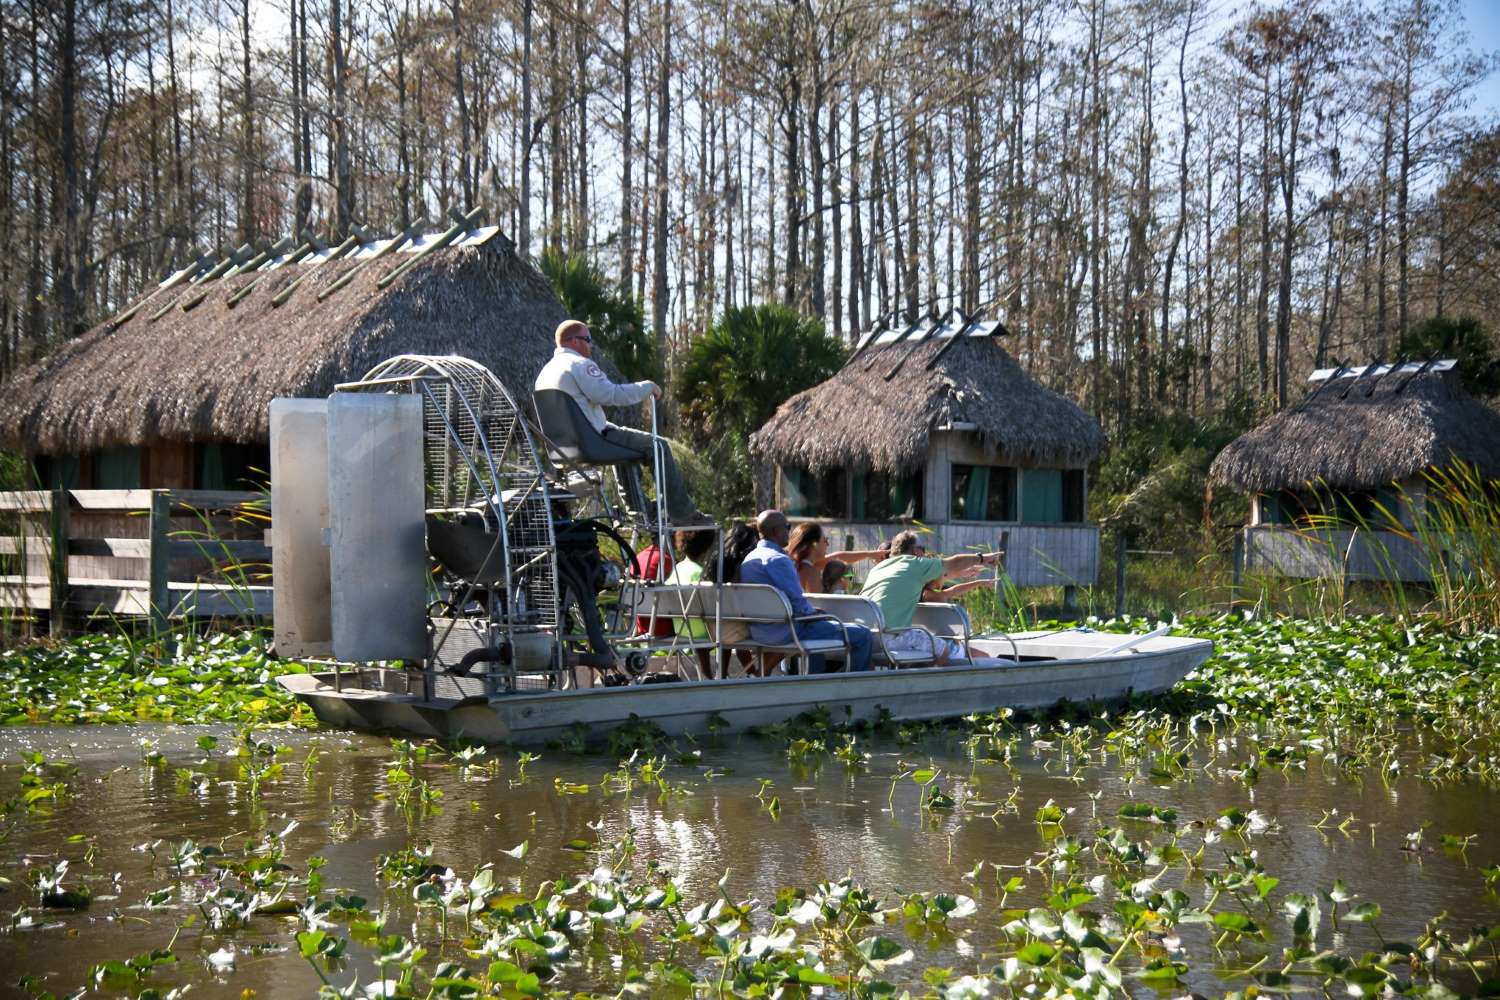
point(751, 361)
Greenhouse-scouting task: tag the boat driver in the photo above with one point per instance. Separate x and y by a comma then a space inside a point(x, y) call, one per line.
point(573, 370)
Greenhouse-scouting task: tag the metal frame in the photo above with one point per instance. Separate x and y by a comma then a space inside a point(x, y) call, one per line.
point(479, 449)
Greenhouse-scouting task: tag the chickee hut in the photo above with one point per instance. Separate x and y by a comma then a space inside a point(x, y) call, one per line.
point(936, 423)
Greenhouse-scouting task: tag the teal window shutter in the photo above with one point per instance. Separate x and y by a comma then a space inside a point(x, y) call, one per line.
point(1041, 496)
point(117, 469)
point(210, 467)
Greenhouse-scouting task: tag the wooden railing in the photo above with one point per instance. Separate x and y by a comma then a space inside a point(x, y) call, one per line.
point(164, 554)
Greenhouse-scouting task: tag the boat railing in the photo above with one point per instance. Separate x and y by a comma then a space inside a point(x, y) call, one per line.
point(760, 604)
point(855, 610)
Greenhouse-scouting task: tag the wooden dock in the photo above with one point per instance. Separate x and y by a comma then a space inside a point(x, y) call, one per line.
point(164, 554)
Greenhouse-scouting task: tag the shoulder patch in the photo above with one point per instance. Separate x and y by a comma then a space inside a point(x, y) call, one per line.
point(594, 371)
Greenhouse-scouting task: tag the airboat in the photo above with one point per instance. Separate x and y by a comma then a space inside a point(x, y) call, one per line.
point(449, 565)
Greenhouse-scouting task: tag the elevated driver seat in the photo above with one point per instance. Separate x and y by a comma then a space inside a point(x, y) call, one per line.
point(577, 447)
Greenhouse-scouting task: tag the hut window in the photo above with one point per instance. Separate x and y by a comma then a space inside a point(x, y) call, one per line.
point(984, 493)
point(882, 497)
point(59, 470)
point(117, 469)
point(1319, 509)
point(1052, 496)
point(806, 495)
point(232, 466)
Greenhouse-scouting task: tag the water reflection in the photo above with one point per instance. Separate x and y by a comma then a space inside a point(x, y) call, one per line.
point(832, 821)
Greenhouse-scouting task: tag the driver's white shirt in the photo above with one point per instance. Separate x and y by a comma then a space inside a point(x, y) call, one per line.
point(586, 382)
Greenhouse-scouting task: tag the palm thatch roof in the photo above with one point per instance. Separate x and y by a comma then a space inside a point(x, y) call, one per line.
point(860, 420)
point(1360, 435)
point(209, 374)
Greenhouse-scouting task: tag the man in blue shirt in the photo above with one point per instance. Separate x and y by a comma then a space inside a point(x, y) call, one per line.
point(768, 563)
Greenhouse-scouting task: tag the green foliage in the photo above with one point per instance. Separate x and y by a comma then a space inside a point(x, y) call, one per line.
point(1151, 485)
point(109, 678)
point(750, 362)
point(1464, 339)
point(15, 471)
point(616, 320)
point(719, 476)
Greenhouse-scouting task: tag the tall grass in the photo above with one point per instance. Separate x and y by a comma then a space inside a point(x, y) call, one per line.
point(1449, 541)
point(1458, 532)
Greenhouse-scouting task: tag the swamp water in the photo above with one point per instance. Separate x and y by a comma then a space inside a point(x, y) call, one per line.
point(983, 859)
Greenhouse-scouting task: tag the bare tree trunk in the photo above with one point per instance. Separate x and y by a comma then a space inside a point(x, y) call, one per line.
point(791, 130)
point(627, 146)
point(659, 290)
point(1263, 294)
point(836, 196)
point(1182, 191)
point(343, 169)
point(523, 234)
point(248, 169)
point(582, 168)
point(859, 283)
point(556, 89)
point(1382, 327)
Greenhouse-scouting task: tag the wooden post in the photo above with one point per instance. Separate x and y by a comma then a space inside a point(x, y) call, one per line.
point(1237, 568)
point(57, 589)
point(160, 560)
point(1345, 582)
point(1120, 574)
point(1000, 567)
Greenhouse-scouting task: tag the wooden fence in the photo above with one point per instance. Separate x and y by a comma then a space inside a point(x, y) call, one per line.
point(163, 554)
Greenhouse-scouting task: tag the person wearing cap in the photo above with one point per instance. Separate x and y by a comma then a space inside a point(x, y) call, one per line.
point(573, 370)
point(896, 584)
point(769, 564)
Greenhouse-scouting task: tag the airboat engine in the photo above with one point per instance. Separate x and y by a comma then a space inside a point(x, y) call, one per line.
point(414, 522)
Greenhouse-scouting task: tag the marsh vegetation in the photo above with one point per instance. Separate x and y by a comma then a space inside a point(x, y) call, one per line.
point(1310, 813)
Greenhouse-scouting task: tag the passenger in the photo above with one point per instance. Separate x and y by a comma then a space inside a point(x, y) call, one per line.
point(741, 541)
point(572, 370)
point(808, 547)
point(652, 564)
point(692, 549)
point(896, 585)
point(835, 577)
point(769, 564)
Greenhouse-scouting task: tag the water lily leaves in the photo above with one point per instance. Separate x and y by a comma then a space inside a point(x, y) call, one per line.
point(809, 976)
point(1235, 923)
point(1264, 884)
point(954, 905)
point(1043, 923)
point(1162, 970)
point(1148, 812)
point(1049, 813)
point(1069, 897)
point(1366, 980)
point(883, 953)
point(1036, 953)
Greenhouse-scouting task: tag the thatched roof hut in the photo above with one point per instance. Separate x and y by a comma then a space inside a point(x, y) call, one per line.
point(858, 419)
point(936, 423)
point(210, 373)
point(1363, 434)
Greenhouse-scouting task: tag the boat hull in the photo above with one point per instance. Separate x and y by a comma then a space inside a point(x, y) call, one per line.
point(459, 710)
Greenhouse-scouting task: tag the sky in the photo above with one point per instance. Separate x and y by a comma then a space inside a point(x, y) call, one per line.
point(1483, 20)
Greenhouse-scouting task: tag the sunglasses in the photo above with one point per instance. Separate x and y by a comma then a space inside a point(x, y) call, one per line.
point(586, 340)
